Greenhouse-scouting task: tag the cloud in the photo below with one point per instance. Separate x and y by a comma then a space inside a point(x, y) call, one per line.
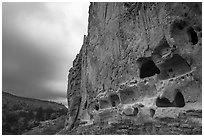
point(39, 43)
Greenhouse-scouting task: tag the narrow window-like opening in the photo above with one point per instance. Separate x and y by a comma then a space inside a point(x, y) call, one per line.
point(148, 69)
point(179, 100)
point(192, 35)
point(85, 105)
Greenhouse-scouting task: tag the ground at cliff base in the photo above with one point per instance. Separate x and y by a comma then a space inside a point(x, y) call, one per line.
point(188, 123)
point(49, 127)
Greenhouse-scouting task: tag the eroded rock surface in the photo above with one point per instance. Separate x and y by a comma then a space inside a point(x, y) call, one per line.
point(139, 62)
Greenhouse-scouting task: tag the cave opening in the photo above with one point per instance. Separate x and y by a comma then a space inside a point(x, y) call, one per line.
point(97, 107)
point(135, 112)
point(115, 101)
point(148, 69)
point(85, 105)
point(192, 35)
point(179, 100)
point(163, 102)
point(152, 112)
point(173, 67)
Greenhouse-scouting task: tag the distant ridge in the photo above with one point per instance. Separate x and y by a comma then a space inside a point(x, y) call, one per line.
point(10, 100)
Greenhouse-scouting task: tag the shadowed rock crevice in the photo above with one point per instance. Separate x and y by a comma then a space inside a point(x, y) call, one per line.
point(85, 105)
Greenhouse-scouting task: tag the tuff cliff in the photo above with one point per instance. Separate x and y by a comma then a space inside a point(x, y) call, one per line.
point(139, 61)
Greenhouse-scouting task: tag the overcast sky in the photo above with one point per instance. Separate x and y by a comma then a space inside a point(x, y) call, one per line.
point(39, 43)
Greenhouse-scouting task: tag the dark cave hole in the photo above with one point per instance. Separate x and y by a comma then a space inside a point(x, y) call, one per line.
point(179, 100)
point(97, 107)
point(148, 69)
point(163, 102)
point(115, 101)
point(85, 105)
point(135, 112)
point(192, 35)
point(152, 112)
point(173, 67)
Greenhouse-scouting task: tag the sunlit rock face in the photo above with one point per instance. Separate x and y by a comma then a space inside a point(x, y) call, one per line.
point(137, 58)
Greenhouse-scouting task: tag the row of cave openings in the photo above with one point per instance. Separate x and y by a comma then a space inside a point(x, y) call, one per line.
point(128, 95)
point(171, 67)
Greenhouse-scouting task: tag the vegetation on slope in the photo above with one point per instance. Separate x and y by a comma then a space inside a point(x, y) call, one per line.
point(21, 114)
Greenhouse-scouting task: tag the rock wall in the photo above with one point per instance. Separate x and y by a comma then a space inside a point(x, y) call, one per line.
point(137, 59)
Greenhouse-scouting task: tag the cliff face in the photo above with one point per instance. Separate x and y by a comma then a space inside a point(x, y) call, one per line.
point(138, 60)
